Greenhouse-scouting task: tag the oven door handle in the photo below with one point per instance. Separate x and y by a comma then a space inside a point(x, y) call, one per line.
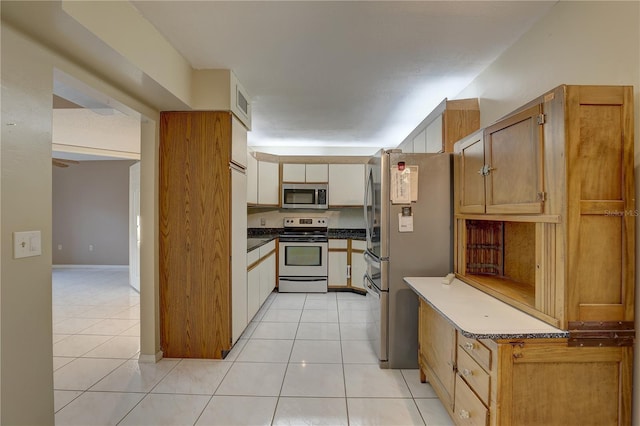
point(303, 279)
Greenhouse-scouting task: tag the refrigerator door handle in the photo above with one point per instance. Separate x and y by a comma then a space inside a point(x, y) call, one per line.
point(372, 260)
point(368, 189)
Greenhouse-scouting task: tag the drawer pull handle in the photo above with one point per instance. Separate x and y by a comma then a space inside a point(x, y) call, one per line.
point(469, 346)
point(466, 372)
point(464, 414)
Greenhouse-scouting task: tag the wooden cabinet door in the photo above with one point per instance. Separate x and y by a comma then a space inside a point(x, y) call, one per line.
point(315, 173)
point(438, 346)
point(195, 291)
point(514, 171)
point(295, 173)
point(549, 383)
point(469, 179)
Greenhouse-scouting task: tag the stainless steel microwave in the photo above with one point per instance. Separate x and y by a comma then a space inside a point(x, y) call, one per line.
point(304, 196)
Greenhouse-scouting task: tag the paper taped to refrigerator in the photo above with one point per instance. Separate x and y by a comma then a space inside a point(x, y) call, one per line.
point(404, 185)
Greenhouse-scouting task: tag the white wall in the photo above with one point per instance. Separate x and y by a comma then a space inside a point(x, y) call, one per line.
point(26, 370)
point(576, 43)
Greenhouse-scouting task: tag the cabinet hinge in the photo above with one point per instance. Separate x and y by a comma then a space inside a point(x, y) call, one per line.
point(540, 119)
point(541, 196)
point(601, 333)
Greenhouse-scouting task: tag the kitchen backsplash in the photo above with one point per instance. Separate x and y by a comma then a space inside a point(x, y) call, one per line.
point(348, 218)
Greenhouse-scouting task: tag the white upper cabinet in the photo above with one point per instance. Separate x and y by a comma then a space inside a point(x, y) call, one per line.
point(301, 173)
point(317, 173)
point(346, 184)
point(268, 183)
point(252, 179)
point(420, 142)
point(238, 142)
point(434, 136)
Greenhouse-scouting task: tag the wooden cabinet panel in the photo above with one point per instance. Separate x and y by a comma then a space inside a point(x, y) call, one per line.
point(513, 154)
point(195, 223)
point(469, 410)
point(474, 376)
point(253, 292)
point(468, 174)
point(569, 385)
point(437, 349)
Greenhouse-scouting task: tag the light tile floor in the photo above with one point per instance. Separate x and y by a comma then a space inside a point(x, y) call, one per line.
point(303, 360)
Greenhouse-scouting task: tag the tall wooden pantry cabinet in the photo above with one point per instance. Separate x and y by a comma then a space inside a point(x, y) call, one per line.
point(202, 233)
point(545, 222)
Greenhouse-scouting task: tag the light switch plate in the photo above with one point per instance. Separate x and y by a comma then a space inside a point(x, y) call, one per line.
point(27, 244)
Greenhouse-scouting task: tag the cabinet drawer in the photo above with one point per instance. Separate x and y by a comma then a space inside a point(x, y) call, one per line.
point(337, 244)
point(474, 375)
point(253, 256)
point(469, 410)
point(267, 248)
point(479, 352)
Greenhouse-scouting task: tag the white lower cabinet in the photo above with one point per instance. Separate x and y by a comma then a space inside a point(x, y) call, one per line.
point(358, 264)
point(346, 263)
point(261, 277)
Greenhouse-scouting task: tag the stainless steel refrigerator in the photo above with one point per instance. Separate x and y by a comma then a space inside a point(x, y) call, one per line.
point(408, 219)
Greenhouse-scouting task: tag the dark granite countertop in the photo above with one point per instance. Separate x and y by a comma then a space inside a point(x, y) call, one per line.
point(344, 234)
point(257, 237)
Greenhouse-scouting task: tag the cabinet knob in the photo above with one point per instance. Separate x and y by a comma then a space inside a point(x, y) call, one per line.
point(485, 170)
point(469, 346)
point(464, 414)
point(466, 372)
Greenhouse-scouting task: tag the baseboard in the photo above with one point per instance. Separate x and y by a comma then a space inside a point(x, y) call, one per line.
point(151, 359)
point(117, 267)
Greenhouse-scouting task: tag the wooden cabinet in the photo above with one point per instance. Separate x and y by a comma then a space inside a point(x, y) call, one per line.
point(554, 233)
point(449, 122)
point(346, 185)
point(301, 173)
point(501, 169)
point(436, 353)
point(196, 209)
point(536, 381)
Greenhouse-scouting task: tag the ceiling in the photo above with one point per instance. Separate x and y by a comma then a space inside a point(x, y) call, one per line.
point(324, 77)
point(348, 75)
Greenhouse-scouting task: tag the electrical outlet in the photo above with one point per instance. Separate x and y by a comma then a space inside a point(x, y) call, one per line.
point(263, 221)
point(90, 247)
point(59, 246)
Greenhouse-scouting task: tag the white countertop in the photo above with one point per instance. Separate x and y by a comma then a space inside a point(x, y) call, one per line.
point(478, 315)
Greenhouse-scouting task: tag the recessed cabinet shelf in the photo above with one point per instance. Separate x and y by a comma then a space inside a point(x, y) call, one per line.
point(500, 256)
